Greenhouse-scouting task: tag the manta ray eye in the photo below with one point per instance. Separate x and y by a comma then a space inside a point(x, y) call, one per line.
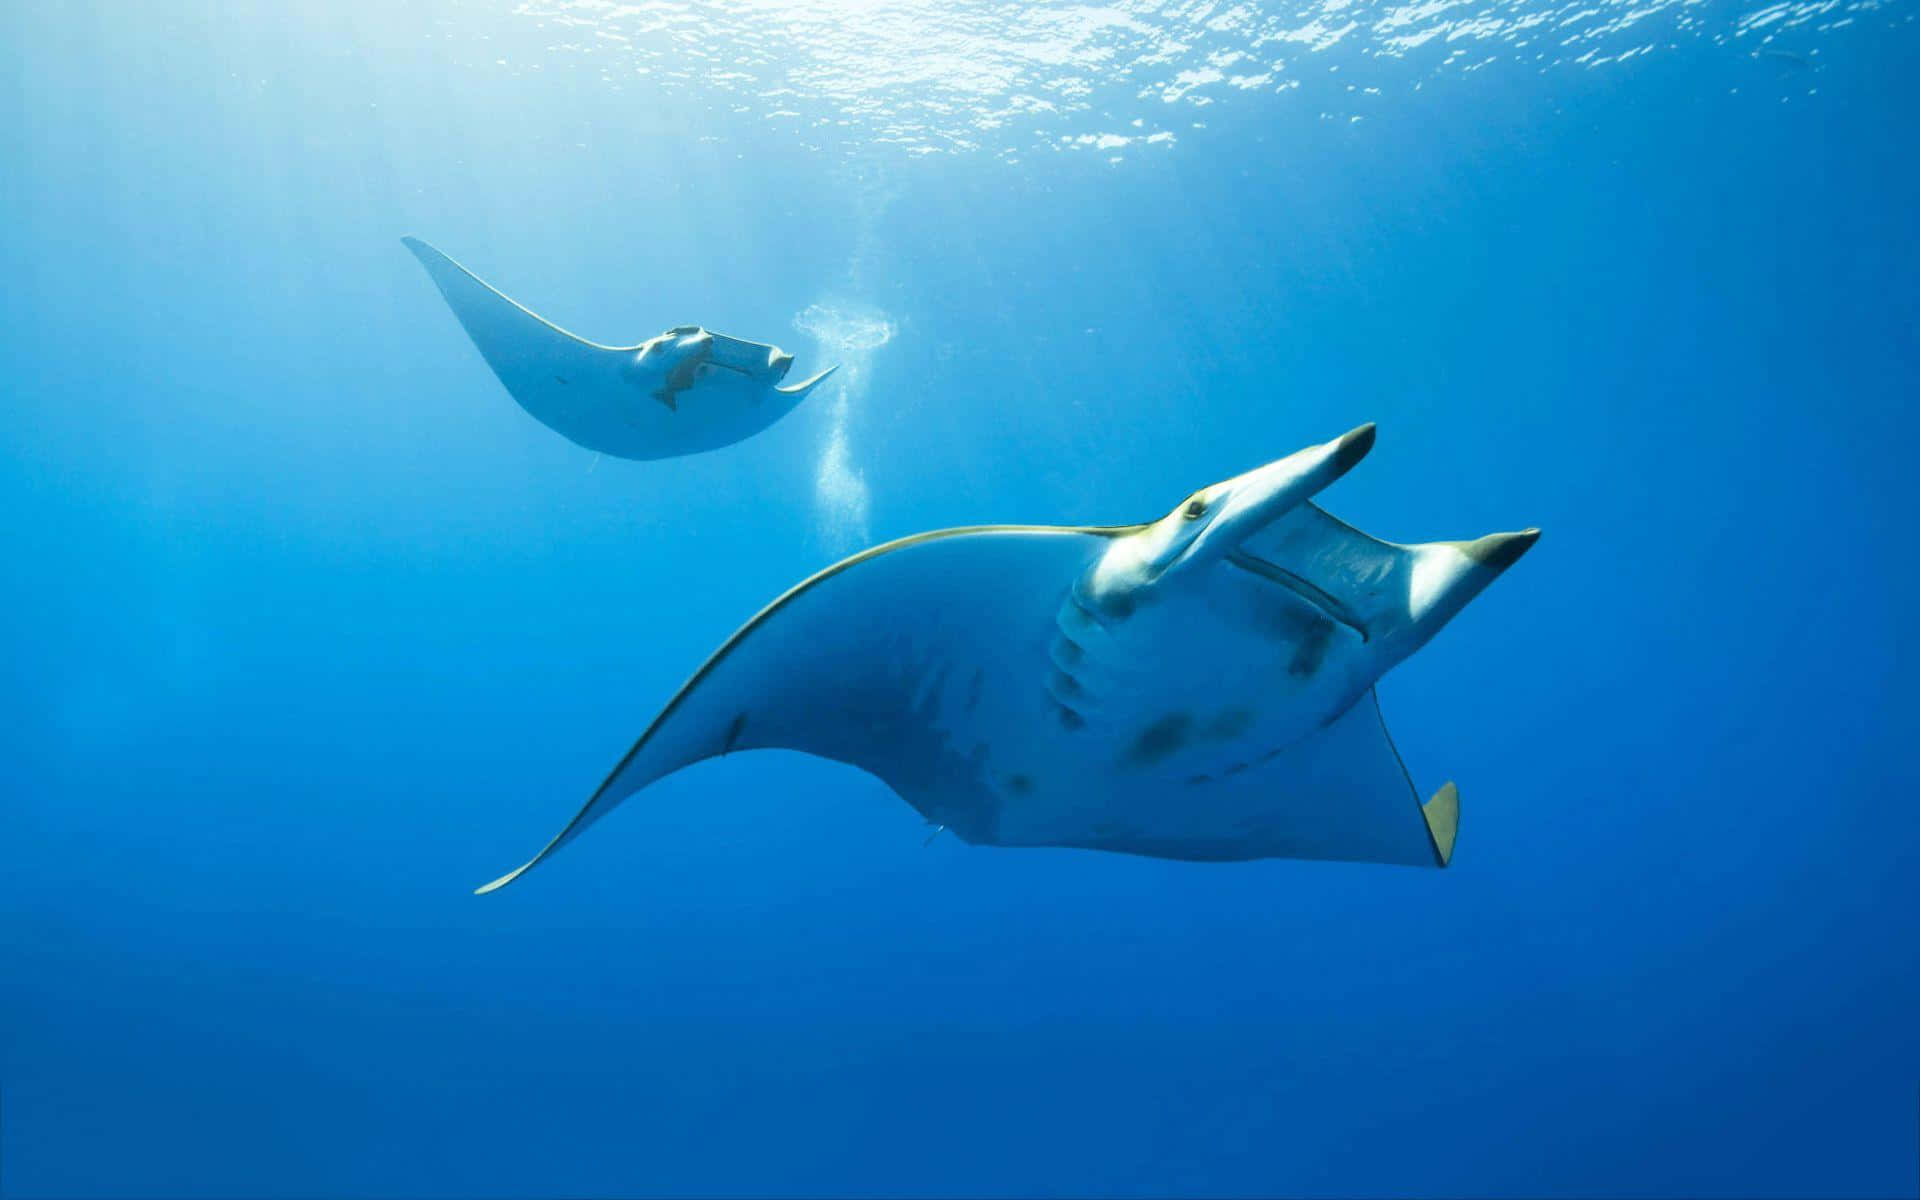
point(1196, 508)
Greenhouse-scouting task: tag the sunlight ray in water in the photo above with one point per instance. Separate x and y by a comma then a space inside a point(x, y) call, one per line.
point(930, 76)
point(848, 334)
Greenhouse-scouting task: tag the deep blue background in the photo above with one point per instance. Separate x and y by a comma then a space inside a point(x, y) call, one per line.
point(309, 630)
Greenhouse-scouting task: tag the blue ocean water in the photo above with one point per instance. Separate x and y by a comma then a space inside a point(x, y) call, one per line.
point(310, 630)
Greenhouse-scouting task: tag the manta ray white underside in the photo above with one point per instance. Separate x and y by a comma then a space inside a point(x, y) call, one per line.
point(1199, 687)
point(682, 392)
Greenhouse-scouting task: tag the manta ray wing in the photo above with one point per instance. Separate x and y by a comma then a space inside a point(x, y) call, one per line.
point(915, 661)
point(567, 383)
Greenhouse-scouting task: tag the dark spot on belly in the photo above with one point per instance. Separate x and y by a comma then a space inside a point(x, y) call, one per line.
point(1020, 785)
point(1160, 739)
point(1069, 719)
point(1064, 684)
point(1193, 779)
point(733, 733)
point(1230, 723)
point(1315, 640)
point(976, 687)
point(1069, 651)
point(1235, 769)
point(560, 381)
point(1281, 619)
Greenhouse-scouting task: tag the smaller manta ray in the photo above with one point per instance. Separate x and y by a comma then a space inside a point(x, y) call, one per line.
point(682, 392)
point(1199, 687)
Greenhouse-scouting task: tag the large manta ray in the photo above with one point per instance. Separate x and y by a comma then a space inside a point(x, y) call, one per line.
point(685, 391)
point(1200, 687)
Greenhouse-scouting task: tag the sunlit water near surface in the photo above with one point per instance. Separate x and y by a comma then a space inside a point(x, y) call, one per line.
point(310, 629)
point(926, 77)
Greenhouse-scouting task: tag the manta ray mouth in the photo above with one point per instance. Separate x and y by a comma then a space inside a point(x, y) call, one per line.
point(1315, 596)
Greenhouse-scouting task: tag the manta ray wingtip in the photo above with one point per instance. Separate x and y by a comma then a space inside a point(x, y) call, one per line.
point(503, 881)
point(1443, 821)
point(422, 250)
